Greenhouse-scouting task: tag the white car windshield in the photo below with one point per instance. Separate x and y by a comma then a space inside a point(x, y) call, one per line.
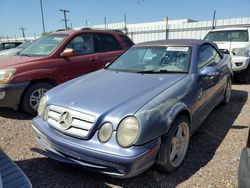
point(171, 59)
point(228, 36)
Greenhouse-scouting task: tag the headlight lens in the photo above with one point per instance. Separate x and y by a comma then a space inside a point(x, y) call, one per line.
point(127, 132)
point(46, 114)
point(42, 105)
point(241, 52)
point(105, 132)
point(6, 75)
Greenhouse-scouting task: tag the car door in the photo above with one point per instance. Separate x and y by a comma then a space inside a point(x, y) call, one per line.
point(209, 57)
point(83, 60)
point(208, 86)
point(106, 48)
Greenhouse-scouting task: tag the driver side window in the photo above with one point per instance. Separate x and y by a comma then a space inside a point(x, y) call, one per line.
point(82, 44)
point(208, 56)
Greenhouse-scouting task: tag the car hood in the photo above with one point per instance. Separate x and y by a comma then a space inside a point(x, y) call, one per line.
point(106, 92)
point(16, 60)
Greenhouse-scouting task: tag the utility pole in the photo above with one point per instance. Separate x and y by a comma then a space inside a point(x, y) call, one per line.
point(105, 22)
point(41, 5)
point(65, 17)
point(213, 24)
point(22, 29)
point(125, 24)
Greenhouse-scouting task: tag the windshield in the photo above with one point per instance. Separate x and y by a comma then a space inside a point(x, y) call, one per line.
point(228, 36)
point(25, 44)
point(43, 46)
point(153, 60)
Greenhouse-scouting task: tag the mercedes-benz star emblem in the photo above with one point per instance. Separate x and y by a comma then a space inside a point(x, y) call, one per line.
point(65, 120)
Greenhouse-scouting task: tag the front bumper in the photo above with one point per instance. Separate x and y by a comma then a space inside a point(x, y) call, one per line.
point(106, 158)
point(10, 94)
point(240, 63)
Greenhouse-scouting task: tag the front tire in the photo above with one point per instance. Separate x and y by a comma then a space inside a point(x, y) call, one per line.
point(175, 145)
point(32, 96)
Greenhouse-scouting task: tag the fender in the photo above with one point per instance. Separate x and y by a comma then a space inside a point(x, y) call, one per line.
point(36, 75)
point(158, 119)
point(177, 110)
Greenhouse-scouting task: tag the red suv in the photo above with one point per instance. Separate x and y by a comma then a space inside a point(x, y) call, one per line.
point(54, 59)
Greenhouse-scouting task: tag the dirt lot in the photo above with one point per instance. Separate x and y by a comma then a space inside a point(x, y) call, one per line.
point(212, 159)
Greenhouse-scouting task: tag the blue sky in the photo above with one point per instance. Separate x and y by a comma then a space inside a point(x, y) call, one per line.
point(17, 13)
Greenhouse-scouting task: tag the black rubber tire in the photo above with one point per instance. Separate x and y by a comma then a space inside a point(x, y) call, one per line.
point(225, 101)
point(25, 104)
point(167, 167)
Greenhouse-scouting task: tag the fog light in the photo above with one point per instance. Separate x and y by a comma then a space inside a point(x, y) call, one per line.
point(105, 132)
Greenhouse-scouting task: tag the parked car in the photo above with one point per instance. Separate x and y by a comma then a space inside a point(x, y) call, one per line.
point(4, 45)
point(138, 111)
point(244, 166)
point(14, 51)
point(237, 42)
point(54, 59)
point(10, 174)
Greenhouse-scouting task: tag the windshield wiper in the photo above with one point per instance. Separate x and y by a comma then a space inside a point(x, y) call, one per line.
point(153, 71)
point(27, 55)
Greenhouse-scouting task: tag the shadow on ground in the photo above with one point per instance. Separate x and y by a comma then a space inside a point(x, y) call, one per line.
point(11, 114)
point(44, 172)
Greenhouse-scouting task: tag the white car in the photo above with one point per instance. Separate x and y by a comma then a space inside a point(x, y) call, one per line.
point(237, 42)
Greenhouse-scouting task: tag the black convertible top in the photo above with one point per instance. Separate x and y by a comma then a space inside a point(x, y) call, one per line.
point(176, 42)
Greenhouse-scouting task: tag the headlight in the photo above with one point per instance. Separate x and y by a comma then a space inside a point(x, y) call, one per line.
point(42, 105)
point(46, 114)
point(241, 52)
point(127, 132)
point(6, 75)
point(105, 132)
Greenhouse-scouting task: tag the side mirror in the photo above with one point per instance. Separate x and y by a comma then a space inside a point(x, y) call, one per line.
point(68, 52)
point(209, 72)
point(224, 51)
point(209, 76)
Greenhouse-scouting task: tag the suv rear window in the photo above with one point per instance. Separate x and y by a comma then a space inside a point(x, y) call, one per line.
point(228, 36)
point(127, 41)
point(105, 43)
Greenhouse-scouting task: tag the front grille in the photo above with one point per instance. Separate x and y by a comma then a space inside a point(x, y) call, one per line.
point(80, 124)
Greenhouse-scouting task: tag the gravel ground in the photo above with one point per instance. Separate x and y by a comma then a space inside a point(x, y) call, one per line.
point(212, 159)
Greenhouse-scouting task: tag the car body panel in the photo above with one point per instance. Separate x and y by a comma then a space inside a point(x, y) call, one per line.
point(154, 99)
point(10, 174)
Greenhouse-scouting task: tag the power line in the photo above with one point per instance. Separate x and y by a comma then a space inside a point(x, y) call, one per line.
point(65, 17)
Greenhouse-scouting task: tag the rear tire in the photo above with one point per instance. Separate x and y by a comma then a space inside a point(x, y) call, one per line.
point(228, 91)
point(32, 97)
point(174, 145)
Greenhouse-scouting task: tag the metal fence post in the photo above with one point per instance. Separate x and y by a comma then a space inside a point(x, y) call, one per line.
point(166, 22)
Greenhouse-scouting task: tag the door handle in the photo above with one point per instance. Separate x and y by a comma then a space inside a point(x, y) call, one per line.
point(93, 58)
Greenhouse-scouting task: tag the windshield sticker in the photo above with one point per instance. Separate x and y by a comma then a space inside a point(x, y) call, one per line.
point(177, 48)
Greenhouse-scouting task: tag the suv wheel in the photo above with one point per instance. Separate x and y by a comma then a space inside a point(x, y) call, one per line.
point(32, 97)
